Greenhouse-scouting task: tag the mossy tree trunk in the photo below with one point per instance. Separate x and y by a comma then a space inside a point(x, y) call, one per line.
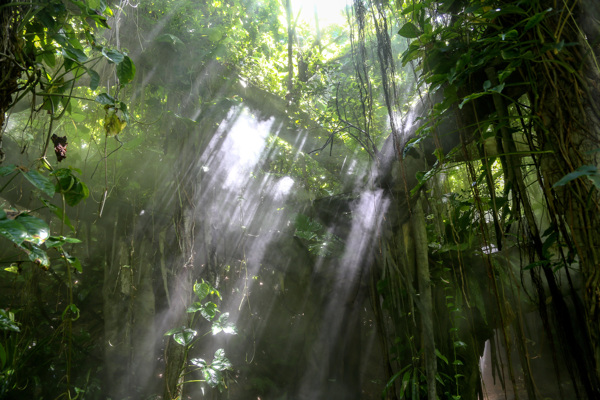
point(565, 102)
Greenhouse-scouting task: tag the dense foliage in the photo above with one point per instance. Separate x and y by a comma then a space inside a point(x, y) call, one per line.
point(417, 180)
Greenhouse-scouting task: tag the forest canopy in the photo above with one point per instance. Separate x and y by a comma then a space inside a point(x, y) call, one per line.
point(287, 199)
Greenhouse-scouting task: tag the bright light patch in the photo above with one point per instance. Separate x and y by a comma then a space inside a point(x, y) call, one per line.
point(284, 186)
point(330, 11)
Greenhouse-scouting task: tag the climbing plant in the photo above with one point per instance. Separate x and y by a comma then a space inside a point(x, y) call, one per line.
point(499, 66)
point(473, 120)
point(213, 373)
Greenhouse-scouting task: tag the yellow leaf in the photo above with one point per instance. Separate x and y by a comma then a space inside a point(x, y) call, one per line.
point(112, 123)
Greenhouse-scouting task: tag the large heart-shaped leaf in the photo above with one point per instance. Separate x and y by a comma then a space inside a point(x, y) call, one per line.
point(185, 336)
point(223, 325)
point(220, 362)
point(201, 289)
point(409, 30)
point(209, 311)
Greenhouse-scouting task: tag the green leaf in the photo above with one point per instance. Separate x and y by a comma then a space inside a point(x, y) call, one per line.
point(209, 311)
point(509, 54)
point(57, 241)
point(409, 30)
point(75, 263)
point(7, 321)
point(304, 223)
point(70, 186)
point(595, 180)
point(505, 73)
point(113, 56)
point(13, 269)
point(439, 379)
point(49, 58)
point(470, 97)
point(415, 384)
point(212, 377)
point(123, 108)
point(94, 79)
point(201, 289)
point(100, 20)
point(221, 365)
point(174, 330)
point(59, 213)
point(423, 177)
point(78, 193)
point(74, 54)
point(46, 18)
point(78, 117)
point(185, 336)
point(584, 170)
point(37, 230)
point(215, 34)
point(197, 306)
point(413, 7)
point(390, 383)
point(405, 382)
point(220, 362)
point(413, 52)
point(441, 356)
point(198, 362)
point(222, 325)
point(126, 70)
point(104, 98)
point(219, 354)
point(7, 169)
point(305, 235)
point(38, 256)
point(40, 181)
point(497, 89)
point(13, 230)
point(512, 34)
point(536, 19)
point(550, 240)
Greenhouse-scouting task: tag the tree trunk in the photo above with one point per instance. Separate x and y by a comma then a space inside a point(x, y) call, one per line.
point(10, 70)
point(175, 361)
point(424, 279)
point(565, 98)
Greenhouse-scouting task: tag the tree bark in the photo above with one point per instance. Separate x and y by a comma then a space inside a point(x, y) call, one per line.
point(10, 70)
point(565, 98)
point(424, 279)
